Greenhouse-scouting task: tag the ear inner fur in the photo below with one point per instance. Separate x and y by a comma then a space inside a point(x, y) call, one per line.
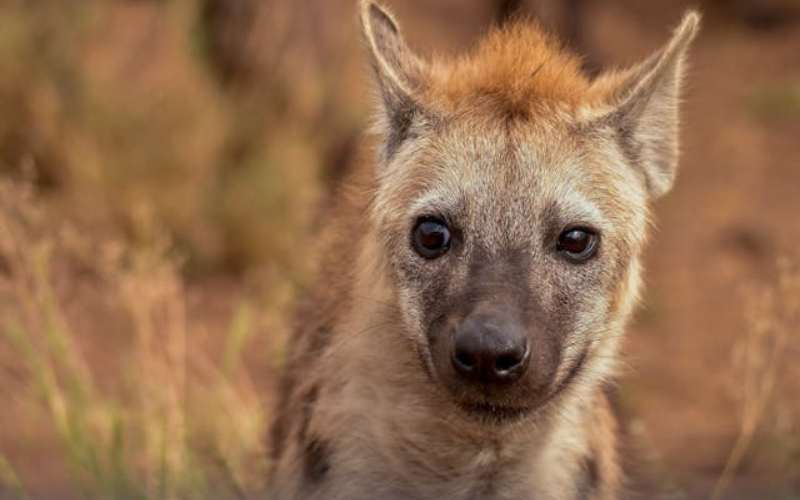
point(398, 71)
point(646, 117)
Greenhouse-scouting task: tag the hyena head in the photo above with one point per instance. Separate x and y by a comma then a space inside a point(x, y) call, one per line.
point(511, 206)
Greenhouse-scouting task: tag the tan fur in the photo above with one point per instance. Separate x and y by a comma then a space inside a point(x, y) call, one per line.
point(511, 142)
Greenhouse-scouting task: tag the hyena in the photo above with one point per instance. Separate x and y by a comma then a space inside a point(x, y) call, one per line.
point(478, 276)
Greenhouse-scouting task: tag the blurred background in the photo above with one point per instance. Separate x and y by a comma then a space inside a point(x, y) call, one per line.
point(164, 167)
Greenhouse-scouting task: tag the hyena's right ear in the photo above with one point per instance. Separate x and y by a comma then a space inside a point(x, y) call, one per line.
point(399, 72)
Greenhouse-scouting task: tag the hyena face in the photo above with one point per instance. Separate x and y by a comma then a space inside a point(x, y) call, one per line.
point(508, 246)
point(512, 207)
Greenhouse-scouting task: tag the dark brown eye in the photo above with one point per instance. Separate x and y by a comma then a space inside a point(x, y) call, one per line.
point(578, 244)
point(431, 238)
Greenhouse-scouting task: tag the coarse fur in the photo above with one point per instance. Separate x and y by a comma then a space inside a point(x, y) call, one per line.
point(510, 145)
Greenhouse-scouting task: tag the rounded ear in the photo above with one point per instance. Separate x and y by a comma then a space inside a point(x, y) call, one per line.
point(398, 71)
point(646, 101)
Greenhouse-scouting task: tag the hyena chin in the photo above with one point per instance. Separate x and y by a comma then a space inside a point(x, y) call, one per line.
point(474, 290)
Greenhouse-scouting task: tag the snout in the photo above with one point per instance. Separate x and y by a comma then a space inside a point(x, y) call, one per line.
point(495, 361)
point(490, 350)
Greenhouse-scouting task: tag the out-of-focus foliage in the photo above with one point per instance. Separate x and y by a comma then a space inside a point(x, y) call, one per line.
point(158, 416)
point(220, 121)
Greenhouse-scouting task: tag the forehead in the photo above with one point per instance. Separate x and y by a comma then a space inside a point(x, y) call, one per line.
point(509, 175)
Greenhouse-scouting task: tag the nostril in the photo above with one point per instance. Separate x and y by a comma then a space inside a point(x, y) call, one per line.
point(512, 363)
point(507, 362)
point(465, 360)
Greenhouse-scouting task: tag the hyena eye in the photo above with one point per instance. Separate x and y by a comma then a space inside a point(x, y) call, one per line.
point(579, 244)
point(431, 238)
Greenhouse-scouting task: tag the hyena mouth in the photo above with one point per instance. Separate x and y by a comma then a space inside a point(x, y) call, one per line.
point(499, 413)
point(495, 414)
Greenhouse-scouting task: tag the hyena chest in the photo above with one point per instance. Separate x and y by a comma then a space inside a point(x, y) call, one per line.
point(423, 471)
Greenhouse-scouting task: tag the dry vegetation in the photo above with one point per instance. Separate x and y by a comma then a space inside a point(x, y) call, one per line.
point(161, 169)
point(152, 415)
point(765, 370)
point(140, 161)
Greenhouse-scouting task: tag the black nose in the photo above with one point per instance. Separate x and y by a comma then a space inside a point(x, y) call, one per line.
point(489, 350)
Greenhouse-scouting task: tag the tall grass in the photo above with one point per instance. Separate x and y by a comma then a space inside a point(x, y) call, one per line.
point(9, 481)
point(119, 104)
point(161, 419)
point(765, 367)
point(225, 128)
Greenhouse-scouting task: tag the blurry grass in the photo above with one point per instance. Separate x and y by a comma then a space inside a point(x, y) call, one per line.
point(169, 422)
point(137, 137)
point(10, 485)
point(119, 104)
point(764, 365)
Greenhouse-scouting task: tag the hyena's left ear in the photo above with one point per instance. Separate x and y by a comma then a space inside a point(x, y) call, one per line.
point(645, 114)
point(399, 72)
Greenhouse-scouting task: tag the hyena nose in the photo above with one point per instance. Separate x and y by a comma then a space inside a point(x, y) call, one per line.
point(488, 351)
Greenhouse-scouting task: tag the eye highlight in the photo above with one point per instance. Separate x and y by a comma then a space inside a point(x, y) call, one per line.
point(431, 237)
point(578, 244)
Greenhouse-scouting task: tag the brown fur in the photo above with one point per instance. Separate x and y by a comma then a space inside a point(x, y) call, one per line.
point(511, 144)
point(519, 68)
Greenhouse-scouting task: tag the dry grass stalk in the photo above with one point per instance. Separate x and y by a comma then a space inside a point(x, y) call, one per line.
point(762, 361)
point(170, 422)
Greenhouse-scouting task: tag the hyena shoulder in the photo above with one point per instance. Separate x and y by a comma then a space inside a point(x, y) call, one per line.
point(319, 310)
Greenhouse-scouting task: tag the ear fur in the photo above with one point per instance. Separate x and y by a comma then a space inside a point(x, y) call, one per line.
point(646, 102)
point(398, 71)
